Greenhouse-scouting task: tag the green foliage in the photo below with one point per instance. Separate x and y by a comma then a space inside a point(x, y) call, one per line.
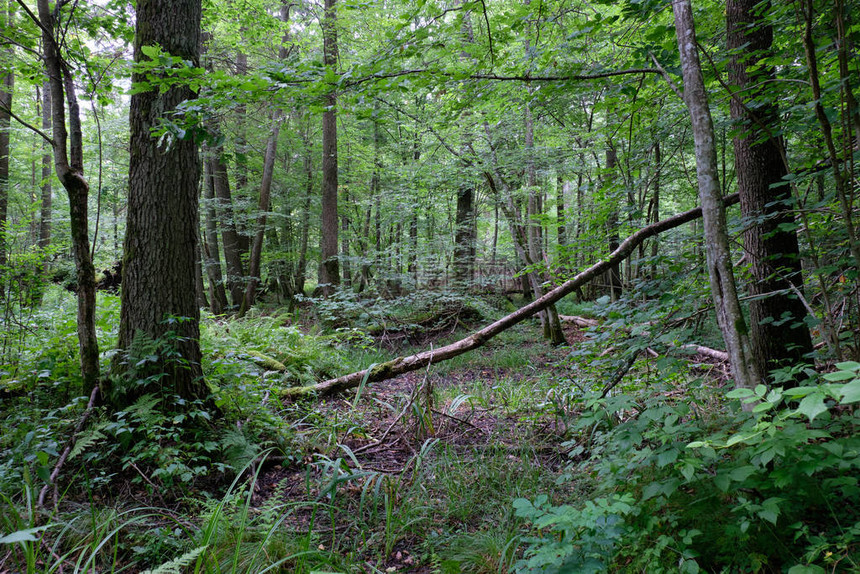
point(774, 488)
point(237, 351)
point(416, 314)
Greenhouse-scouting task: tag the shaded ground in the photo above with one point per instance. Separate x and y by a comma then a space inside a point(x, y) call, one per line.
point(439, 412)
point(419, 443)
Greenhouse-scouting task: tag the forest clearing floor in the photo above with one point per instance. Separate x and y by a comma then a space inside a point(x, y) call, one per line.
point(418, 474)
point(426, 472)
point(424, 462)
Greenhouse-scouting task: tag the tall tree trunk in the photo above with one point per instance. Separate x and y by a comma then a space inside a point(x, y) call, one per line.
point(47, 191)
point(614, 276)
point(7, 88)
point(549, 317)
point(302, 264)
point(344, 229)
point(162, 225)
point(229, 231)
point(778, 335)
point(69, 165)
point(561, 186)
point(728, 309)
point(241, 164)
point(329, 269)
point(840, 178)
point(463, 233)
point(263, 210)
point(211, 251)
point(654, 207)
point(345, 246)
point(416, 207)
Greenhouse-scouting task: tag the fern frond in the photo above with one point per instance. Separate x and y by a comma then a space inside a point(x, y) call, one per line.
point(177, 565)
point(85, 440)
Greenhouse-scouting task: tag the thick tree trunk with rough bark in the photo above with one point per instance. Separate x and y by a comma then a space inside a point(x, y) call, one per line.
point(778, 335)
point(329, 269)
point(69, 165)
point(421, 360)
point(161, 235)
point(463, 237)
point(729, 315)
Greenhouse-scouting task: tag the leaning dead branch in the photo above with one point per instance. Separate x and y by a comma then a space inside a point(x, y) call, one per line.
point(400, 365)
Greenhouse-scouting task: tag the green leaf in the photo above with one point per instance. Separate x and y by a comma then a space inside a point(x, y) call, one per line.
point(742, 473)
point(806, 569)
point(151, 52)
point(851, 392)
point(812, 406)
point(22, 535)
point(840, 376)
point(740, 393)
point(848, 366)
point(798, 392)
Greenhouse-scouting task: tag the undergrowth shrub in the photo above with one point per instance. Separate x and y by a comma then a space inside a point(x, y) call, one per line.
point(269, 347)
point(419, 313)
point(772, 490)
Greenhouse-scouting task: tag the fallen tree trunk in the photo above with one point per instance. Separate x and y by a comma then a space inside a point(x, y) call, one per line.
point(581, 322)
point(708, 352)
point(400, 365)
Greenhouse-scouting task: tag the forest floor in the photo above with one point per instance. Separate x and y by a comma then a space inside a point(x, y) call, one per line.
point(435, 445)
point(419, 473)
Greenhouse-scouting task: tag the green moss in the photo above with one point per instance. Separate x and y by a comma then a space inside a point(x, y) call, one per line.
point(266, 362)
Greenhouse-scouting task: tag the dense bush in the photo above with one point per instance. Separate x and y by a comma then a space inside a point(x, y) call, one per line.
point(677, 490)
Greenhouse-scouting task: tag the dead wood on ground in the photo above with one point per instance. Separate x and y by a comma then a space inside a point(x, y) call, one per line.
point(400, 365)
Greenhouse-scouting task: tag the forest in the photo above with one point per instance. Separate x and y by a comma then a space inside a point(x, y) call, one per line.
point(430, 286)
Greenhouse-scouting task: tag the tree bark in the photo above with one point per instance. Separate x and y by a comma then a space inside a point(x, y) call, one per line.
point(613, 278)
point(263, 207)
point(47, 199)
point(329, 269)
point(265, 186)
point(729, 315)
point(463, 238)
point(560, 189)
point(68, 153)
point(159, 286)
point(421, 360)
point(229, 232)
point(211, 250)
point(302, 264)
point(778, 335)
point(840, 178)
point(7, 88)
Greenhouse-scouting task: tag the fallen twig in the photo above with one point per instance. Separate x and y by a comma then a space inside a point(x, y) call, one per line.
point(65, 455)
